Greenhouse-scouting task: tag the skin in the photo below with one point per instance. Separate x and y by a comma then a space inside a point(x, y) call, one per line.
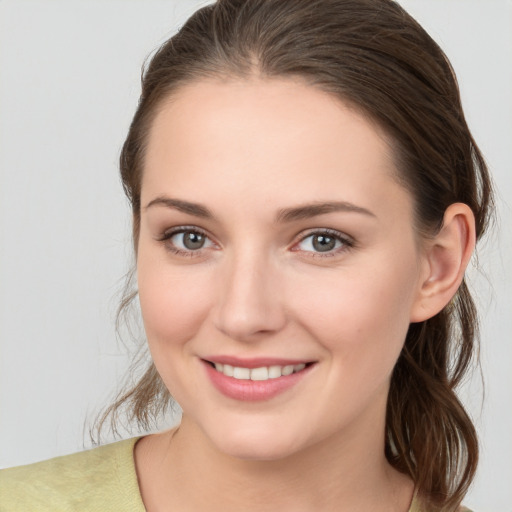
point(246, 150)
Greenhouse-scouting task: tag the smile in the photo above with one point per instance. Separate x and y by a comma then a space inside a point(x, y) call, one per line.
point(261, 374)
point(255, 380)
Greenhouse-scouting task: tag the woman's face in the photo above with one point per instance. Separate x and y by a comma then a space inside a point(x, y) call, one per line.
point(274, 238)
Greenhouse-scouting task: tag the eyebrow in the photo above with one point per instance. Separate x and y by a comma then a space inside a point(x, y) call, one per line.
point(198, 210)
point(312, 210)
point(302, 212)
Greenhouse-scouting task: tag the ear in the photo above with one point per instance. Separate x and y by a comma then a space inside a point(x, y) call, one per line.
point(445, 260)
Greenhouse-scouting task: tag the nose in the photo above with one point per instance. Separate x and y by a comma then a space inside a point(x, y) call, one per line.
point(249, 299)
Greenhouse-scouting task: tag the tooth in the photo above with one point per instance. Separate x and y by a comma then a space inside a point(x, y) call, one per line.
point(228, 370)
point(287, 370)
point(241, 373)
point(299, 367)
point(259, 373)
point(274, 372)
point(219, 367)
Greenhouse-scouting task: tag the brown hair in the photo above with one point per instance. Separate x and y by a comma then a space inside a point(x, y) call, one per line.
point(375, 56)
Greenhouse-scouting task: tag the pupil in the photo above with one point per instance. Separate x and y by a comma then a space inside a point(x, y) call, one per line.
point(323, 243)
point(193, 240)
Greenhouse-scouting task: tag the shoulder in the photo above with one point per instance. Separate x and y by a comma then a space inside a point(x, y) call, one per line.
point(103, 478)
point(419, 505)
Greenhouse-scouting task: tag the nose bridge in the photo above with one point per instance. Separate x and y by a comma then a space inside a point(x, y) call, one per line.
point(249, 300)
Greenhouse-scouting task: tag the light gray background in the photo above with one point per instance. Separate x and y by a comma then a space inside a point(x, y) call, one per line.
point(69, 82)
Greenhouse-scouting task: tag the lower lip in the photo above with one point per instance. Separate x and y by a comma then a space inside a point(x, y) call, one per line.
point(253, 390)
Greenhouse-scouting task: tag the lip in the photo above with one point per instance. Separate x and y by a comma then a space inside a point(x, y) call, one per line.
point(253, 390)
point(254, 362)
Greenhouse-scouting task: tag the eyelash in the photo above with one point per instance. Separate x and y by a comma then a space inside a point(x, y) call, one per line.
point(176, 231)
point(347, 242)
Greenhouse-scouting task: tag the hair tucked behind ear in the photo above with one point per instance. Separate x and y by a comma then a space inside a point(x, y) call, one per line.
point(373, 55)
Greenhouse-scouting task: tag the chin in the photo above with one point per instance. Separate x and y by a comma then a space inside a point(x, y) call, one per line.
point(257, 441)
point(254, 450)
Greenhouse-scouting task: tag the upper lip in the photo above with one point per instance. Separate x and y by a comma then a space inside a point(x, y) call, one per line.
point(255, 362)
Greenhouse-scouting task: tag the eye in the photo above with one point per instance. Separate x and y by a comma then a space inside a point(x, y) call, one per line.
point(186, 241)
point(327, 241)
point(191, 240)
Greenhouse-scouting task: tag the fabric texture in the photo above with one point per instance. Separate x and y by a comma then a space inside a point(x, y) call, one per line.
point(102, 479)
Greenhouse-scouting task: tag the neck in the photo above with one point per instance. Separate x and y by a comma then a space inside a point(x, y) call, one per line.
point(184, 460)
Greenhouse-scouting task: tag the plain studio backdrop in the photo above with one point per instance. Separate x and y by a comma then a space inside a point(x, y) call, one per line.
point(69, 83)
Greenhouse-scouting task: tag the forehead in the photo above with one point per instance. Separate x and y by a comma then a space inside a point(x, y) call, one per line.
point(271, 140)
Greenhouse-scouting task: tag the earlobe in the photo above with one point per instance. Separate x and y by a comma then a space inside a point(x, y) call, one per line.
point(446, 258)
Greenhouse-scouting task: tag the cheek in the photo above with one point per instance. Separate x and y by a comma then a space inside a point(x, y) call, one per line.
point(363, 317)
point(173, 301)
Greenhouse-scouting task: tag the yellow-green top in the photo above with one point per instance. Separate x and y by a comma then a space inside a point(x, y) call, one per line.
point(101, 479)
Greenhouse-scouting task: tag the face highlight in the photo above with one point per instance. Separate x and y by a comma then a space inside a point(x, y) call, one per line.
point(276, 250)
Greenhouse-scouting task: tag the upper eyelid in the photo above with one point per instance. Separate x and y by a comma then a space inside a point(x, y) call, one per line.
point(347, 244)
point(346, 239)
point(167, 233)
point(333, 232)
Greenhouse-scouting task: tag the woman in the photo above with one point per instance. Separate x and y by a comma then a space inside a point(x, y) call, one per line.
point(306, 197)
